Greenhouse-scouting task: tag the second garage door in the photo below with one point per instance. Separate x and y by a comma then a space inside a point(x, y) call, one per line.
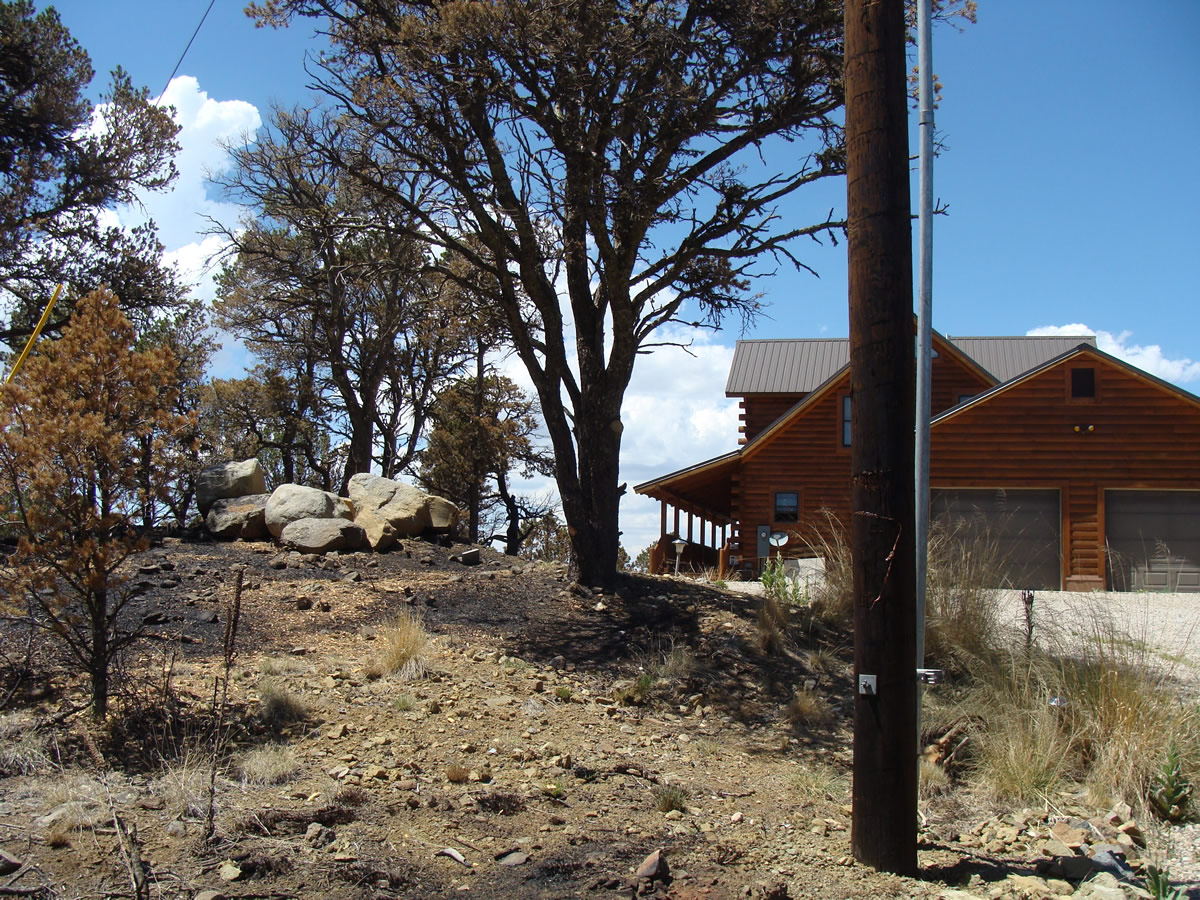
point(1024, 525)
point(1153, 540)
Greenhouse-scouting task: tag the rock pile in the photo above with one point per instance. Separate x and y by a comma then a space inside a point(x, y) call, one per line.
point(232, 497)
point(1075, 855)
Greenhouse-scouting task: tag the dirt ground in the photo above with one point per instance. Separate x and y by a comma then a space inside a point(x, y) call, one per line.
point(557, 739)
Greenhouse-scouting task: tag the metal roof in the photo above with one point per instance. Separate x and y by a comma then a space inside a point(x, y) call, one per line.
point(787, 366)
point(1008, 357)
point(800, 365)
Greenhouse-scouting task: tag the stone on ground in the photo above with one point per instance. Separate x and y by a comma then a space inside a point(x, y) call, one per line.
point(290, 502)
point(239, 517)
point(322, 535)
point(227, 480)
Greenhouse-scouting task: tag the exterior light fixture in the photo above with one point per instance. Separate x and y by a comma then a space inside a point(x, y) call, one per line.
point(679, 545)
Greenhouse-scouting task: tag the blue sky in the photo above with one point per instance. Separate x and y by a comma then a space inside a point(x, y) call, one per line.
point(1072, 129)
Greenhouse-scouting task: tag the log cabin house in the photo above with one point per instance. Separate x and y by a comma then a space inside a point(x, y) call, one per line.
point(1082, 468)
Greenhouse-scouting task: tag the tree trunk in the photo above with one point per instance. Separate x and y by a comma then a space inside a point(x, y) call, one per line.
point(592, 516)
point(362, 440)
point(882, 378)
point(98, 662)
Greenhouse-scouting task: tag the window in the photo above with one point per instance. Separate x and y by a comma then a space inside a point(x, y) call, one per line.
point(787, 506)
point(846, 421)
point(963, 398)
point(1083, 384)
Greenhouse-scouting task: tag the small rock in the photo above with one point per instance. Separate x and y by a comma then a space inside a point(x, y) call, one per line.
point(176, 828)
point(1131, 828)
point(513, 858)
point(318, 835)
point(303, 603)
point(230, 871)
point(654, 868)
point(209, 895)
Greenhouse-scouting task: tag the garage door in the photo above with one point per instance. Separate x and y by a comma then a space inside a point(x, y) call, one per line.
point(1024, 526)
point(1153, 540)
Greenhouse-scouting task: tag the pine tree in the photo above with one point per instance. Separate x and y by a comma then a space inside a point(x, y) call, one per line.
point(73, 425)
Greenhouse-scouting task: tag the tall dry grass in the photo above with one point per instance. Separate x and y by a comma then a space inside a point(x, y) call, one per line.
point(1085, 703)
point(403, 649)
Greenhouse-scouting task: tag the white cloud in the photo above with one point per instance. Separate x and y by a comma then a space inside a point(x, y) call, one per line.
point(197, 262)
point(675, 414)
point(182, 212)
point(1150, 358)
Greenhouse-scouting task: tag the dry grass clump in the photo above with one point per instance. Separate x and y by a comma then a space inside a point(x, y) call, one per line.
point(278, 706)
point(403, 649)
point(184, 783)
point(23, 748)
point(831, 597)
point(678, 662)
point(1085, 702)
point(933, 780)
point(670, 796)
point(808, 708)
point(964, 569)
point(636, 692)
point(273, 666)
point(818, 782)
point(1088, 705)
point(274, 764)
point(772, 625)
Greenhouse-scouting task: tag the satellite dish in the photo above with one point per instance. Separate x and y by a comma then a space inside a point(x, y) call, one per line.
point(778, 539)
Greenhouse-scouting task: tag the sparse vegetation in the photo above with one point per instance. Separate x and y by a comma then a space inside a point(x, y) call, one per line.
point(707, 713)
point(403, 649)
point(808, 708)
point(278, 706)
point(23, 747)
point(274, 764)
point(556, 789)
point(773, 617)
point(636, 692)
point(1158, 884)
point(668, 797)
point(1171, 792)
point(1111, 724)
point(783, 586)
point(818, 781)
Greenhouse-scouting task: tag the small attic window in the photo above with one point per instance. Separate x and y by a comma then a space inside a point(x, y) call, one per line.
point(1083, 384)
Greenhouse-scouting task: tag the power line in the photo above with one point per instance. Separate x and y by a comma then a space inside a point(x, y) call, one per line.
point(179, 61)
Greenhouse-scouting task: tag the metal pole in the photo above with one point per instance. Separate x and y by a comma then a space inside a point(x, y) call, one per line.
point(924, 315)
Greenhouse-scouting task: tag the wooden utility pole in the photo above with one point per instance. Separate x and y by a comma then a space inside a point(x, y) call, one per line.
point(882, 377)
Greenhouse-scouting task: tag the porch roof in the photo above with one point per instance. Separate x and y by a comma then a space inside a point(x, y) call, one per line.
point(704, 489)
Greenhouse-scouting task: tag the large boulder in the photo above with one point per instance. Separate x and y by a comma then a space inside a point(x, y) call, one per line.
point(408, 510)
point(322, 535)
point(240, 517)
point(290, 502)
point(225, 481)
point(380, 534)
point(443, 515)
